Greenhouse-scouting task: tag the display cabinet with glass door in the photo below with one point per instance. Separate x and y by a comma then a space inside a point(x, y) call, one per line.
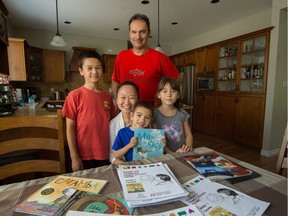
point(253, 52)
point(227, 69)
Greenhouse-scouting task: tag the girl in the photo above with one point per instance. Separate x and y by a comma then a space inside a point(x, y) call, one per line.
point(126, 96)
point(170, 117)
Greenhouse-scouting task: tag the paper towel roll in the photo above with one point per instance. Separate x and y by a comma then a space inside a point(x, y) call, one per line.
point(18, 93)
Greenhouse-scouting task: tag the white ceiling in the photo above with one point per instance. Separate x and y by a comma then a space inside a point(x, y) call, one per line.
point(99, 17)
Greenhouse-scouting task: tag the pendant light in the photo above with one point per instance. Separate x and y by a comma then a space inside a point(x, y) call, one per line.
point(58, 40)
point(158, 47)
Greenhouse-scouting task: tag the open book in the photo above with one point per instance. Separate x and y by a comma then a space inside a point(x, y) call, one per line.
point(149, 143)
point(215, 167)
point(52, 197)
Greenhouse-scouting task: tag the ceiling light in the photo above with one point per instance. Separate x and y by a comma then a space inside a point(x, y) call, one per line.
point(58, 40)
point(145, 2)
point(215, 1)
point(158, 47)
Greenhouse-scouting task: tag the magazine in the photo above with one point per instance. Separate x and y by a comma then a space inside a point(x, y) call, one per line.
point(149, 143)
point(216, 167)
point(52, 197)
point(97, 203)
point(149, 184)
point(212, 198)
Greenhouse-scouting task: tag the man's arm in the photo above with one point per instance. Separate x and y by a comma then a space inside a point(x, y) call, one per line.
point(114, 86)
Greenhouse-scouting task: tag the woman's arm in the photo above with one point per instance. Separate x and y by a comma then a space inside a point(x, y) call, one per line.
point(71, 139)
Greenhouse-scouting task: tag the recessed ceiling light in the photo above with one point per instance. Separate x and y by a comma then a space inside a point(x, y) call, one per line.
point(116, 29)
point(145, 2)
point(174, 23)
point(215, 1)
point(67, 22)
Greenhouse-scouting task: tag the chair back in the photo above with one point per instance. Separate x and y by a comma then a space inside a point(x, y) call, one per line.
point(282, 158)
point(22, 134)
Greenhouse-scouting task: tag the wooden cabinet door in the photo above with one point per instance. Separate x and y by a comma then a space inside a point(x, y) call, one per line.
point(16, 59)
point(109, 67)
point(54, 66)
point(204, 113)
point(211, 59)
point(249, 120)
point(225, 116)
point(190, 58)
point(201, 61)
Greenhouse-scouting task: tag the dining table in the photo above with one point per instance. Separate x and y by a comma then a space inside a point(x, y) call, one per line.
point(268, 186)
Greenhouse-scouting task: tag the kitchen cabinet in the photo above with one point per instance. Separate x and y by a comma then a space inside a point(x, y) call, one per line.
point(240, 118)
point(17, 58)
point(76, 52)
point(109, 60)
point(179, 60)
point(190, 57)
point(54, 66)
point(206, 59)
point(203, 113)
point(241, 87)
point(4, 65)
point(35, 64)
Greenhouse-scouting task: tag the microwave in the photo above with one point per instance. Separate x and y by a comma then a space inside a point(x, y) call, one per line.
point(205, 83)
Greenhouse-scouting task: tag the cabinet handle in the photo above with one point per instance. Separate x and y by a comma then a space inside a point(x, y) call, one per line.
point(236, 99)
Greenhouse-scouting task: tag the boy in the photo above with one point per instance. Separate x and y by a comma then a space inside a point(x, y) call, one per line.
point(88, 111)
point(125, 141)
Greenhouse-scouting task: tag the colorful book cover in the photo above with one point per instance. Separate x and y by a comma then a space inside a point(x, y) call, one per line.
point(97, 203)
point(216, 167)
point(49, 199)
point(149, 143)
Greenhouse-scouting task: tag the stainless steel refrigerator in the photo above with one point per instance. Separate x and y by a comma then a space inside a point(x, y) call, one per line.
point(187, 75)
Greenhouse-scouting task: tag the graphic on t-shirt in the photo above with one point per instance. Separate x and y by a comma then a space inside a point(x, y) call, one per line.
point(173, 131)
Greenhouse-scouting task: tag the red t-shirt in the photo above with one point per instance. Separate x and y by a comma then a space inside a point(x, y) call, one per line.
point(146, 71)
point(92, 112)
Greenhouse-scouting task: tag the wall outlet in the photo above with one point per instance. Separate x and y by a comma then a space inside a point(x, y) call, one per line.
point(52, 90)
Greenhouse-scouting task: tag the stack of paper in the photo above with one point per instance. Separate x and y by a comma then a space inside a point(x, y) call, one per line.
point(149, 184)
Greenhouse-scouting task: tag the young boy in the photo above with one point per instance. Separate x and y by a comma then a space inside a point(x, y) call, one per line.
point(125, 141)
point(88, 111)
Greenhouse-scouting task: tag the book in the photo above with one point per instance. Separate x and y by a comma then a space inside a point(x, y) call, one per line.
point(216, 167)
point(183, 211)
point(212, 198)
point(52, 197)
point(97, 203)
point(149, 143)
point(149, 184)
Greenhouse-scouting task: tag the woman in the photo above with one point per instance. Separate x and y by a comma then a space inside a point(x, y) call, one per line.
point(126, 96)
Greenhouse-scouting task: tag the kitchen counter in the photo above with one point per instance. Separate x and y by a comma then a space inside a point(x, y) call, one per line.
point(39, 110)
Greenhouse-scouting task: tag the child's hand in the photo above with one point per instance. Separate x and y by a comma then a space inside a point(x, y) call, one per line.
point(184, 149)
point(133, 142)
point(163, 140)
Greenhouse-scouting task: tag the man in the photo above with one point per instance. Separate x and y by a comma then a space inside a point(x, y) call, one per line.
point(142, 65)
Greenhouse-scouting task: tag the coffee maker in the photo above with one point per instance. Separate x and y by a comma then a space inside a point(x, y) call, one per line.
point(8, 100)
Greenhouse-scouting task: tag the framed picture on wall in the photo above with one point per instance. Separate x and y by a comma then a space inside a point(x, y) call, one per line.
point(3, 29)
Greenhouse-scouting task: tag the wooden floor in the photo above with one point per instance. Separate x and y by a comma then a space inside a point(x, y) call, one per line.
point(241, 152)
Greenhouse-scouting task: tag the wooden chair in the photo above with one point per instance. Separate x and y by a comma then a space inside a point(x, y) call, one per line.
point(21, 135)
point(282, 158)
